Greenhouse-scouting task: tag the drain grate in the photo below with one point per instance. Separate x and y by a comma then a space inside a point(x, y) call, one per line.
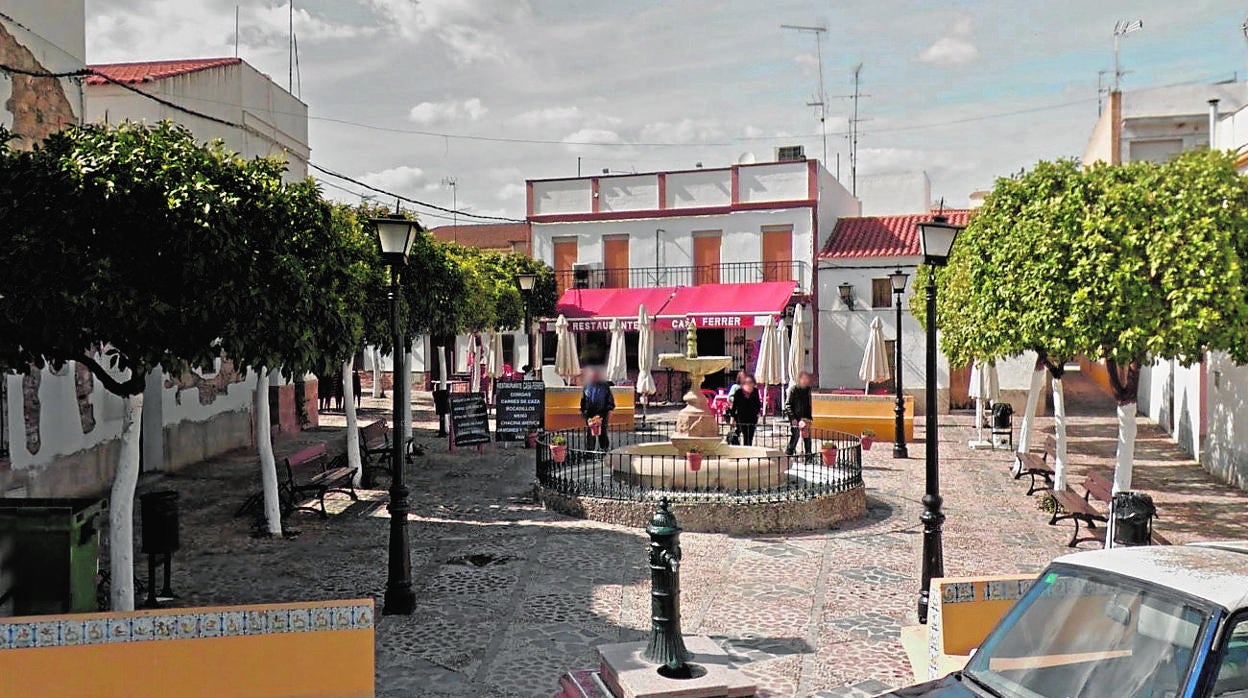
point(480, 559)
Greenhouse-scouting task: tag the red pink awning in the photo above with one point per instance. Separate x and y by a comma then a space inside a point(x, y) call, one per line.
point(593, 309)
point(726, 306)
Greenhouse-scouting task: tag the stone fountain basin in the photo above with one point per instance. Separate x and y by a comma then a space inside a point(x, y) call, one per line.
point(664, 466)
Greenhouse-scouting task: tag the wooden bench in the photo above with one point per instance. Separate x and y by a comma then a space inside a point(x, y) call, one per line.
point(1080, 509)
point(375, 447)
point(1038, 465)
point(1097, 486)
point(310, 470)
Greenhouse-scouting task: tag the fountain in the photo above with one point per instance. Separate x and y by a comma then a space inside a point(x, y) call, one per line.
point(664, 465)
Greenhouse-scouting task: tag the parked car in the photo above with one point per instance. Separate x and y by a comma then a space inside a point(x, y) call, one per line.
point(1142, 622)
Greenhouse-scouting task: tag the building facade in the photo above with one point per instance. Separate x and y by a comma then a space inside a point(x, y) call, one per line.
point(697, 236)
point(41, 36)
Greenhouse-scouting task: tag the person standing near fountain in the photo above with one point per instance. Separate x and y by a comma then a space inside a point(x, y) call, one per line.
point(800, 415)
point(597, 401)
point(745, 409)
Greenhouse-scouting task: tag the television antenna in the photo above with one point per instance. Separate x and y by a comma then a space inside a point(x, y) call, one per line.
point(821, 100)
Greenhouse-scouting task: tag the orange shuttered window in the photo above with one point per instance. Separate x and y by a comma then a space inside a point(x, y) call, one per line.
point(615, 260)
point(777, 253)
point(706, 247)
point(565, 256)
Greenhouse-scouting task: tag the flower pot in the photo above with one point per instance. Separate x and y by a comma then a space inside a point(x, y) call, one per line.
point(867, 441)
point(828, 452)
point(559, 453)
point(694, 460)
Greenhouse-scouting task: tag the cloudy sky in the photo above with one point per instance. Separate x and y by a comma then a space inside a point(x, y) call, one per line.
point(405, 93)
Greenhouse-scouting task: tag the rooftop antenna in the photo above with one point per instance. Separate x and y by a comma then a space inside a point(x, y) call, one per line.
point(290, 51)
point(853, 135)
point(821, 100)
point(1121, 29)
point(236, 31)
point(454, 185)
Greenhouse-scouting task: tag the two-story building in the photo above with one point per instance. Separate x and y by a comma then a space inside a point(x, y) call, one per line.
point(730, 247)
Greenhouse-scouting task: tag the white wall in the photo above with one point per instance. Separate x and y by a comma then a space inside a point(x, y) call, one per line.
point(639, 193)
point(782, 181)
point(54, 32)
point(699, 188)
point(1170, 394)
point(1226, 442)
point(275, 122)
point(895, 194)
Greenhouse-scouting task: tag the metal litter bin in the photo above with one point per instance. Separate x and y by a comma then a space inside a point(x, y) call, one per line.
point(49, 555)
point(1133, 518)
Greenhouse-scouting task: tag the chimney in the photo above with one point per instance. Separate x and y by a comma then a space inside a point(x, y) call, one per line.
point(1213, 124)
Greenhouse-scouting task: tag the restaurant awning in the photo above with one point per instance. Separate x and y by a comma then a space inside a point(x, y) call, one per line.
point(726, 306)
point(592, 309)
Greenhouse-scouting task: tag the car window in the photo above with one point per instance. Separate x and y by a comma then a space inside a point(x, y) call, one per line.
point(1232, 681)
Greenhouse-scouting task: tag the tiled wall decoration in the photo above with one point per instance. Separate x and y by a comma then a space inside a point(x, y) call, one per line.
point(182, 624)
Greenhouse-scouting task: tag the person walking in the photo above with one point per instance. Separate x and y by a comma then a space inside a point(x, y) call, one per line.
point(799, 413)
point(355, 387)
point(597, 402)
point(744, 411)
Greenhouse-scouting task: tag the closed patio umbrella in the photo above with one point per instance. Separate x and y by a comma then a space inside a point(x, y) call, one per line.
point(494, 360)
point(769, 369)
point(781, 338)
point(645, 359)
point(797, 345)
point(567, 360)
point(984, 386)
point(617, 368)
point(874, 366)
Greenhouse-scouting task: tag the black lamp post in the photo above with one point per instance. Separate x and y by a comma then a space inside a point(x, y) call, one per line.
point(396, 235)
point(936, 238)
point(526, 281)
point(898, 281)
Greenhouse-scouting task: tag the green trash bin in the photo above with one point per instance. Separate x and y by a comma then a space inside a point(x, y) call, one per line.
point(49, 555)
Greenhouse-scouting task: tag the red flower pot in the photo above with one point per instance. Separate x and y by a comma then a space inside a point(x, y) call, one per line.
point(694, 460)
point(867, 441)
point(559, 453)
point(828, 452)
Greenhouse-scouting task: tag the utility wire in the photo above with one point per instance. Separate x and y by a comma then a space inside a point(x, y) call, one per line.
point(85, 72)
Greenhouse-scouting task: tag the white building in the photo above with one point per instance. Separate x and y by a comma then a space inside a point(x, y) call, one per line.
point(272, 122)
point(693, 239)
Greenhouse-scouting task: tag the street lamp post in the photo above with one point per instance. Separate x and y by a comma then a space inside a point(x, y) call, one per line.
point(396, 235)
point(898, 281)
point(936, 238)
point(526, 281)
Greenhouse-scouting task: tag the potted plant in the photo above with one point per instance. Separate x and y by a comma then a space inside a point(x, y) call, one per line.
point(828, 452)
point(559, 448)
point(868, 438)
point(693, 456)
point(595, 426)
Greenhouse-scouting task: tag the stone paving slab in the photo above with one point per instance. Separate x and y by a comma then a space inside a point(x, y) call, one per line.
point(811, 614)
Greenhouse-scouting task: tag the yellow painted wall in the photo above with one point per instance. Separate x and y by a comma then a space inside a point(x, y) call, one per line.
point(322, 663)
point(965, 624)
point(563, 408)
point(853, 413)
point(1097, 371)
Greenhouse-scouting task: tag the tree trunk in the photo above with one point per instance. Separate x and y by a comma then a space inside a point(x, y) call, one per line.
point(1126, 387)
point(376, 372)
point(406, 377)
point(1059, 434)
point(121, 507)
point(1029, 415)
point(353, 432)
point(268, 464)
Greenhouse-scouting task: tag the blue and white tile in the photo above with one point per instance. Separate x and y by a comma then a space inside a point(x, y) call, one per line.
point(142, 629)
point(95, 632)
point(210, 624)
point(47, 633)
point(23, 635)
point(233, 623)
point(257, 623)
point(362, 618)
point(164, 627)
point(5, 633)
point(342, 617)
point(186, 626)
point(321, 618)
point(300, 620)
point(277, 620)
point(123, 629)
point(73, 632)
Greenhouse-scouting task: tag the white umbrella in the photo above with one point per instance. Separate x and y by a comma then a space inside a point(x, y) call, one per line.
point(797, 345)
point(494, 364)
point(645, 359)
point(535, 336)
point(874, 366)
point(474, 363)
point(567, 362)
point(782, 350)
point(617, 368)
point(768, 370)
point(984, 386)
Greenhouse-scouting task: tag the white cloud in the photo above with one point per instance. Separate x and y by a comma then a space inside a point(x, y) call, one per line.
point(449, 111)
point(684, 131)
point(472, 30)
point(808, 61)
point(578, 140)
point(512, 191)
point(401, 179)
point(955, 49)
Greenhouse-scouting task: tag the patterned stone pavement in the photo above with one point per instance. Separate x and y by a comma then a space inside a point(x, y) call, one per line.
point(511, 596)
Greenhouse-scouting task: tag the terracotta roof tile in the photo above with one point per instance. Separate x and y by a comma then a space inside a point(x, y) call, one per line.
point(488, 236)
point(881, 236)
point(148, 71)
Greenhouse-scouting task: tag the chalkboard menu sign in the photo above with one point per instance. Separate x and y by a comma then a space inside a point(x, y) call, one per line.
point(519, 408)
point(470, 423)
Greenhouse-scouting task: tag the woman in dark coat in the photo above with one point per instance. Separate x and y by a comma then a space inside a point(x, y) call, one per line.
point(799, 413)
point(745, 409)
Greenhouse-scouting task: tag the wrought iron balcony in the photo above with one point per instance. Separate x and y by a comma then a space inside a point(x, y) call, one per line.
point(649, 277)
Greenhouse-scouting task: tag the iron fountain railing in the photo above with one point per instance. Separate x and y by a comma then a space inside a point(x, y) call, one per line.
point(781, 478)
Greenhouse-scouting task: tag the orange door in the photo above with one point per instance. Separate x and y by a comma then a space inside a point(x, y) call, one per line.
point(615, 260)
point(959, 388)
point(778, 253)
point(706, 247)
point(565, 257)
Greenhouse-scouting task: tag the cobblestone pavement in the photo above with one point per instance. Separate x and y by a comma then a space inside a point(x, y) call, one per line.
point(510, 595)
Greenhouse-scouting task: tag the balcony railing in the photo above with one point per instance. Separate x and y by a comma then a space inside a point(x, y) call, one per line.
point(649, 277)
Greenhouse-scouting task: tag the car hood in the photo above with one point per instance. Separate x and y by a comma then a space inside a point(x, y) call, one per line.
point(948, 687)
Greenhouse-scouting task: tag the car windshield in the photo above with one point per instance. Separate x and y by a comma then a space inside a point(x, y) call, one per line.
point(1083, 635)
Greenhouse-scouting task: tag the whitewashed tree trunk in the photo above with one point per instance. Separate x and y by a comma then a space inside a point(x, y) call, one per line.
point(979, 420)
point(406, 377)
point(1126, 447)
point(1029, 415)
point(268, 464)
point(353, 432)
point(121, 507)
point(1059, 435)
point(376, 372)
